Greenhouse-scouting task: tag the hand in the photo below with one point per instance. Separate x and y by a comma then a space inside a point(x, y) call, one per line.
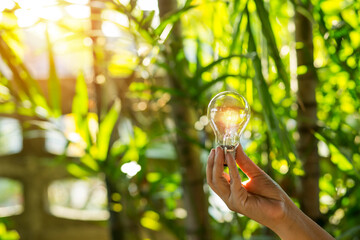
point(259, 198)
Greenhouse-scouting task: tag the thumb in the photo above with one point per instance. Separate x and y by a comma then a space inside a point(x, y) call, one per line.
point(245, 163)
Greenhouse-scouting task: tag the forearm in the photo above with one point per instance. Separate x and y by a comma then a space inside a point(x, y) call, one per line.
point(298, 225)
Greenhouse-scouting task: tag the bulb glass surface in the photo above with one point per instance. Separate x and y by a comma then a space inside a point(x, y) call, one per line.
point(228, 113)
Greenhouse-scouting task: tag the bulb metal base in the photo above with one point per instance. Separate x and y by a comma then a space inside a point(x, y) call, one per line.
point(229, 149)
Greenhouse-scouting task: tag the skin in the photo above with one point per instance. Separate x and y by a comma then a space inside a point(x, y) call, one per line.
point(259, 198)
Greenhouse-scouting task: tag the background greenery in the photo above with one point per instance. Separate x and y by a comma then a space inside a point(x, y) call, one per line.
point(141, 100)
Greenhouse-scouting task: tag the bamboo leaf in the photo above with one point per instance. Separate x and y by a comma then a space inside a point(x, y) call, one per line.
point(199, 53)
point(219, 79)
point(53, 82)
point(220, 60)
point(236, 34)
point(105, 130)
point(171, 18)
point(322, 135)
point(147, 19)
point(275, 126)
point(238, 20)
point(271, 43)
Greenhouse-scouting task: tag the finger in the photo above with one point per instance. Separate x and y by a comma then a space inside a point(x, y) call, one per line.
point(210, 166)
point(226, 176)
point(245, 163)
point(219, 163)
point(236, 186)
point(233, 170)
point(220, 183)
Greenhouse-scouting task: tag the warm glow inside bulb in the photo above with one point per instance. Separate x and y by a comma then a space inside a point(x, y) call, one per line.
point(229, 114)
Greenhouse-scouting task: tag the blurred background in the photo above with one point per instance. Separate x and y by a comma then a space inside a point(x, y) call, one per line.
point(103, 126)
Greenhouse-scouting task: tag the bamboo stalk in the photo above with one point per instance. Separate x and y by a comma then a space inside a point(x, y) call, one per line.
point(197, 222)
point(307, 118)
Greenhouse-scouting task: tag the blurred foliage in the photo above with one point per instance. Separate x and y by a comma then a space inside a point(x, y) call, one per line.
point(6, 234)
point(245, 46)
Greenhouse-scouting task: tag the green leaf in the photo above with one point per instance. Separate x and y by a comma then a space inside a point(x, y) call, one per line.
point(199, 53)
point(236, 33)
point(105, 130)
point(140, 138)
point(150, 220)
point(271, 43)
point(54, 83)
point(6, 234)
point(171, 18)
point(216, 80)
point(153, 177)
point(132, 154)
point(188, 2)
point(275, 126)
point(2, 229)
point(26, 87)
point(146, 21)
point(80, 103)
point(80, 109)
point(118, 149)
point(350, 233)
point(338, 156)
point(78, 171)
point(218, 61)
point(339, 159)
point(90, 162)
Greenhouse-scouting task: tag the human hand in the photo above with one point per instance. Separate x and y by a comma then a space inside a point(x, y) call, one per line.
point(259, 198)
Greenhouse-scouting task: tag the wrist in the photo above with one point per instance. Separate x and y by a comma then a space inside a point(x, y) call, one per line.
point(291, 224)
point(296, 223)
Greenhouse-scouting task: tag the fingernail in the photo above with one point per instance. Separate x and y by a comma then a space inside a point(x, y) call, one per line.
point(217, 150)
point(221, 149)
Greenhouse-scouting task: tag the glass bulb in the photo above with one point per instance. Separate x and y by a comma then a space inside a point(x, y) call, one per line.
point(228, 113)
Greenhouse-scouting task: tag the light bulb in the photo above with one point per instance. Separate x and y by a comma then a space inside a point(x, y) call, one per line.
point(228, 113)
